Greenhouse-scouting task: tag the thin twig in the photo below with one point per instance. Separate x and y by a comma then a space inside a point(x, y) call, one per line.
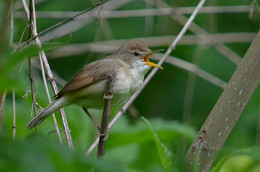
point(32, 85)
point(14, 115)
point(53, 83)
point(4, 25)
point(108, 95)
point(187, 108)
point(141, 12)
point(91, 118)
point(69, 28)
point(11, 44)
point(58, 79)
point(61, 23)
point(49, 99)
point(227, 52)
point(178, 62)
point(2, 104)
point(152, 73)
point(111, 45)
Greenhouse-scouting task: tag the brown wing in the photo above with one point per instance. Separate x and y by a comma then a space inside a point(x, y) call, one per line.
point(89, 74)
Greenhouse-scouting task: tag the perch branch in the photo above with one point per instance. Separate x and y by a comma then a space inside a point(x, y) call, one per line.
point(108, 95)
point(228, 109)
point(153, 72)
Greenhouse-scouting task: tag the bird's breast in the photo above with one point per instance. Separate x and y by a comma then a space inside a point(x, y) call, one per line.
point(124, 84)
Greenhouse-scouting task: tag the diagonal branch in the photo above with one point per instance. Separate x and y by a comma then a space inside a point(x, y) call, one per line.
point(61, 23)
point(228, 109)
point(227, 52)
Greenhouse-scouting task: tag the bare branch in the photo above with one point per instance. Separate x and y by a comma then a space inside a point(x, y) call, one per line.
point(111, 45)
point(47, 67)
point(14, 115)
point(61, 23)
point(108, 95)
point(2, 104)
point(228, 109)
point(140, 12)
point(193, 69)
point(231, 55)
point(68, 28)
point(190, 87)
point(49, 99)
point(57, 78)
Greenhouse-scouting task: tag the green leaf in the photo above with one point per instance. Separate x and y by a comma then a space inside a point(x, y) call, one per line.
point(244, 158)
point(125, 133)
point(40, 154)
point(165, 154)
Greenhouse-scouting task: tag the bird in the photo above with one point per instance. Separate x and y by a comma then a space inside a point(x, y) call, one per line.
point(126, 67)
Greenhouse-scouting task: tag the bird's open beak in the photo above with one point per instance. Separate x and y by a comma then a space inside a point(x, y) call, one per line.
point(146, 59)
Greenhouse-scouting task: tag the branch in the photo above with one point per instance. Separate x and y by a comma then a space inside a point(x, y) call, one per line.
point(140, 12)
point(14, 115)
point(61, 23)
point(78, 24)
point(111, 46)
point(2, 104)
point(223, 49)
point(228, 109)
point(153, 72)
point(43, 59)
point(108, 95)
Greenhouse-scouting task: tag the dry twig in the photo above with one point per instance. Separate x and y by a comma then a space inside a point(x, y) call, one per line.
point(61, 23)
point(14, 115)
point(2, 104)
point(44, 59)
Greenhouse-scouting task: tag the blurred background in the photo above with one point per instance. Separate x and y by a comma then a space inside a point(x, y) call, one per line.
point(176, 101)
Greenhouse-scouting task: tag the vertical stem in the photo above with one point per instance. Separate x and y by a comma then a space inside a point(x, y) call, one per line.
point(46, 65)
point(32, 89)
point(2, 104)
point(14, 115)
point(30, 65)
point(190, 88)
point(108, 95)
point(49, 99)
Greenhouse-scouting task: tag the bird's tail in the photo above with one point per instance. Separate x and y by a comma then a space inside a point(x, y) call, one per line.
point(52, 107)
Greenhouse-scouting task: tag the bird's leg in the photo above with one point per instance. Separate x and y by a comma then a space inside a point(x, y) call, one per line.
point(91, 118)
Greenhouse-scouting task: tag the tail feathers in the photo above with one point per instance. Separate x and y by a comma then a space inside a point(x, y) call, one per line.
point(52, 107)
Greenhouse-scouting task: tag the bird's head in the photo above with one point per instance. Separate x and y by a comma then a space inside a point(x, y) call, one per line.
point(136, 51)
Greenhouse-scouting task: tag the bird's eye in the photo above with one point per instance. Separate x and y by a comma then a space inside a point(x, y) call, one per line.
point(136, 53)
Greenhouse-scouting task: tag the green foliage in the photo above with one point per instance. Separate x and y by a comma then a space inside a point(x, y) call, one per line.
point(131, 145)
point(38, 154)
point(165, 154)
point(239, 160)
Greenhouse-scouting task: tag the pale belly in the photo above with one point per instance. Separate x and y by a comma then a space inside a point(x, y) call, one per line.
point(123, 87)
